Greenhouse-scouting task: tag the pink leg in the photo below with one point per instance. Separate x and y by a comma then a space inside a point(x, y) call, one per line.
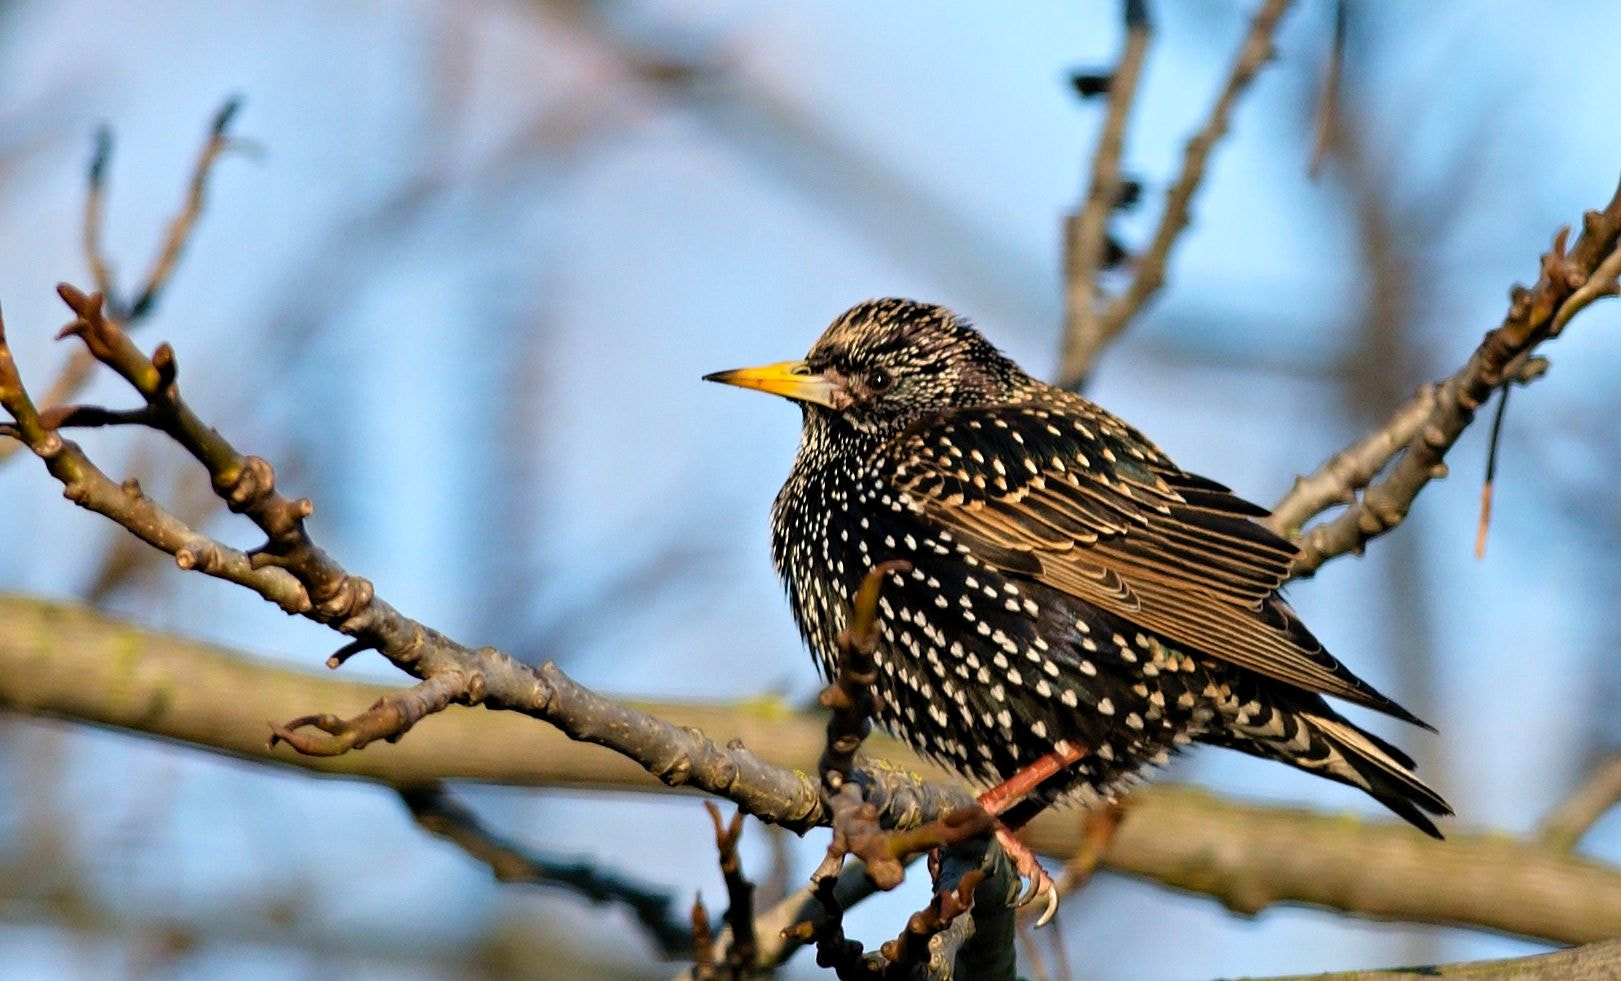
point(1019, 786)
point(1009, 792)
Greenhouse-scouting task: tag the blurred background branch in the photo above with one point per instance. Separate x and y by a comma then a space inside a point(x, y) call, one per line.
point(1247, 856)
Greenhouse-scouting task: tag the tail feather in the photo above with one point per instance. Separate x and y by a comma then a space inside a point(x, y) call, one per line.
point(1320, 741)
point(1362, 759)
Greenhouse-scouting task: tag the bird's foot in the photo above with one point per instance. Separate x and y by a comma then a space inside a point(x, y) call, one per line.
point(1038, 884)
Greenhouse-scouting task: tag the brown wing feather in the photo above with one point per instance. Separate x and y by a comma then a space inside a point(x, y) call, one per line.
point(1090, 508)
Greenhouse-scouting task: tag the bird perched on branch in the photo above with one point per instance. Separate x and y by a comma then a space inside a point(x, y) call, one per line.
point(1076, 606)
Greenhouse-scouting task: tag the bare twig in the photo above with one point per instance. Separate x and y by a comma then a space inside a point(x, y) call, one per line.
point(654, 908)
point(742, 952)
point(1328, 100)
point(857, 828)
point(1569, 282)
point(916, 947)
point(77, 370)
point(1255, 51)
point(219, 140)
point(833, 949)
point(1565, 825)
point(1493, 441)
point(95, 206)
point(1353, 468)
point(703, 943)
point(787, 925)
point(851, 701)
point(981, 944)
point(180, 227)
point(389, 718)
point(1086, 231)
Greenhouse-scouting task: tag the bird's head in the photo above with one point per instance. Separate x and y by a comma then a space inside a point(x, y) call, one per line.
point(884, 364)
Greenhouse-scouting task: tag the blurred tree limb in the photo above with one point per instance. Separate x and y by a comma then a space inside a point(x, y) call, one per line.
point(437, 812)
point(70, 662)
point(1594, 961)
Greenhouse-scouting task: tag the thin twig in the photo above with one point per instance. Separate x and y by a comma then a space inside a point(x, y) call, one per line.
point(851, 703)
point(180, 228)
point(95, 207)
point(1328, 101)
point(742, 952)
point(1255, 51)
point(80, 363)
point(654, 908)
point(913, 950)
point(833, 949)
point(1086, 231)
point(849, 698)
point(1487, 485)
point(703, 944)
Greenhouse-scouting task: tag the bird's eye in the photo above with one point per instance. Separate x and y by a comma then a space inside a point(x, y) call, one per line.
point(879, 380)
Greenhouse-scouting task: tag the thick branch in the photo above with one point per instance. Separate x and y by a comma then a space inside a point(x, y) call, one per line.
point(70, 662)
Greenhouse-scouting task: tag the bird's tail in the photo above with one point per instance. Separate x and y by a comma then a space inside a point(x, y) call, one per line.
point(1320, 741)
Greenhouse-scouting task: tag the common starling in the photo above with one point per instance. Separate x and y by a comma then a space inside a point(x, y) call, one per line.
point(1074, 599)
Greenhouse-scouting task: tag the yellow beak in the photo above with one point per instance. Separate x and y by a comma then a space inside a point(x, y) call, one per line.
point(790, 379)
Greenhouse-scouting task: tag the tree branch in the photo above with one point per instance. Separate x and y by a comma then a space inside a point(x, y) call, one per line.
point(76, 372)
point(1255, 51)
point(1086, 232)
point(1420, 432)
point(291, 570)
point(1564, 827)
point(70, 662)
point(1593, 961)
point(743, 951)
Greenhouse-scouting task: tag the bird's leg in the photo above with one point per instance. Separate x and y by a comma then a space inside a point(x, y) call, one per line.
point(1004, 795)
point(999, 800)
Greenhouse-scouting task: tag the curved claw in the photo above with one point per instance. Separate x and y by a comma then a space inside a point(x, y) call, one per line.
point(1029, 888)
point(1052, 907)
point(1037, 882)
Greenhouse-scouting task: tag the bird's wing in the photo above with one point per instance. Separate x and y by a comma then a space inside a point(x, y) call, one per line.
point(1071, 497)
